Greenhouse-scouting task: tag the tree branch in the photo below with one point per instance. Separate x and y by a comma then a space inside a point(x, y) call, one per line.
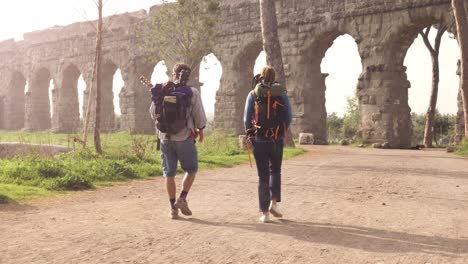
point(440, 32)
point(425, 37)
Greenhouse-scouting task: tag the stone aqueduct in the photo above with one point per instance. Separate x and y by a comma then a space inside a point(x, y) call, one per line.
point(382, 29)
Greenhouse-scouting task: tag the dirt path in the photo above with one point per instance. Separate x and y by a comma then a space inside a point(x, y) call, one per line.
point(342, 205)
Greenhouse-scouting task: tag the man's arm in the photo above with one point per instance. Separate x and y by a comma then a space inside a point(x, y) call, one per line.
point(198, 112)
point(152, 111)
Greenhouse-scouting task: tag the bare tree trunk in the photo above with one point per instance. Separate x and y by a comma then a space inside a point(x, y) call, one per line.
point(97, 125)
point(462, 34)
point(434, 51)
point(89, 103)
point(271, 45)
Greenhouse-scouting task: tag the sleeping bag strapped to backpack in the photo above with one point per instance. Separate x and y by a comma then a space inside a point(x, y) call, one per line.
point(268, 119)
point(172, 103)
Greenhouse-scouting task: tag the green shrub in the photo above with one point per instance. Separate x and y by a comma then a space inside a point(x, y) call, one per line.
point(462, 149)
point(122, 169)
point(70, 182)
point(18, 172)
point(49, 168)
point(4, 199)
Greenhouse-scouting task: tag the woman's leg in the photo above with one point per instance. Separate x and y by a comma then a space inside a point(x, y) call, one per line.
point(262, 160)
point(276, 160)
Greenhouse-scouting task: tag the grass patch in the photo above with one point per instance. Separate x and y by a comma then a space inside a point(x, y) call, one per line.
point(126, 157)
point(11, 192)
point(462, 149)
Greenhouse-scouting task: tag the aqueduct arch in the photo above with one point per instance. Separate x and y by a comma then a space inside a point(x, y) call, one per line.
point(236, 82)
point(311, 79)
point(382, 29)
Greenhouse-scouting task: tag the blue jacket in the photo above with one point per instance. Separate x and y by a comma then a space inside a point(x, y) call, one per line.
point(250, 105)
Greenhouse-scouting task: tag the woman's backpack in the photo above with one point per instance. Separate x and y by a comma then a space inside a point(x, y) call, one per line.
point(268, 119)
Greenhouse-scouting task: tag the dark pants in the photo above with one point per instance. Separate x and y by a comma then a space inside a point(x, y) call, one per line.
point(268, 155)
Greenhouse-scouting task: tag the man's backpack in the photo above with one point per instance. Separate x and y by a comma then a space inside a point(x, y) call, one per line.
point(268, 118)
point(172, 104)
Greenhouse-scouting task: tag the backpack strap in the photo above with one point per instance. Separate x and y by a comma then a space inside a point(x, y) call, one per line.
point(257, 108)
point(269, 99)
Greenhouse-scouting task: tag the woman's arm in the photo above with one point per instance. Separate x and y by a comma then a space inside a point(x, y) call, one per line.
point(248, 111)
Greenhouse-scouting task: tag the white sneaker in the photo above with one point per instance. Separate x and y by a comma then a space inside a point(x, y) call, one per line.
point(274, 210)
point(265, 218)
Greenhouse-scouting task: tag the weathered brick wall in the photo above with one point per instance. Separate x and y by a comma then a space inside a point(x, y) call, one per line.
point(382, 29)
point(62, 54)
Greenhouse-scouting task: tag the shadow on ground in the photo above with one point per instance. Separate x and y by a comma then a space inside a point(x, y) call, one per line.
point(367, 239)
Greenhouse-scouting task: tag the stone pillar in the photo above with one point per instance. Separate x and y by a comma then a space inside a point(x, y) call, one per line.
point(59, 113)
point(28, 115)
point(66, 114)
point(306, 90)
point(309, 107)
point(2, 113)
point(383, 100)
point(228, 115)
point(14, 103)
point(37, 102)
point(107, 99)
point(135, 99)
point(238, 65)
point(460, 121)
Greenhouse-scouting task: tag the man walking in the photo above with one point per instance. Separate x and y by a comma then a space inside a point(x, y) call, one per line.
point(180, 119)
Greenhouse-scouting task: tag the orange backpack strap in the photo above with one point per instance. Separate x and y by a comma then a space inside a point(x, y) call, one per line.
point(268, 106)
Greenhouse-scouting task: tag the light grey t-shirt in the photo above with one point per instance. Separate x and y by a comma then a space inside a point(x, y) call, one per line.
point(196, 118)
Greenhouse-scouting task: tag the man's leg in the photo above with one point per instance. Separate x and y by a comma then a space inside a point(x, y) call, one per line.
point(188, 158)
point(171, 187)
point(187, 182)
point(169, 164)
point(181, 202)
point(171, 192)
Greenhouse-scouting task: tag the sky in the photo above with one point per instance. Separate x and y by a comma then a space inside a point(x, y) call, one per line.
point(341, 61)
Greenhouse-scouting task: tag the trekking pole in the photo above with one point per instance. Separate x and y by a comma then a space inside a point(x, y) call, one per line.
point(248, 152)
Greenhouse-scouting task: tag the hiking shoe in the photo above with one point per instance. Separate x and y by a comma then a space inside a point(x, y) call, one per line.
point(274, 210)
point(174, 214)
point(183, 206)
point(265, 218)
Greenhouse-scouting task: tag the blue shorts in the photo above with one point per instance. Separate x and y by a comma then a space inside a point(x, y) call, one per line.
point(183, 151)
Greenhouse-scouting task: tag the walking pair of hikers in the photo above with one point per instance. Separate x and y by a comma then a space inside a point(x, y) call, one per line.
point(180, 119)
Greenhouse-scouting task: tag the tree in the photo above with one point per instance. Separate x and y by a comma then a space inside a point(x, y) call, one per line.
point(462, 35)
point(181, 31)
point(351, 118)
point(97, 124)
point(335, 126)
point(444, 128)
point(271, 45)
point(417, 128)
point(96, 80)
point(434, 51)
